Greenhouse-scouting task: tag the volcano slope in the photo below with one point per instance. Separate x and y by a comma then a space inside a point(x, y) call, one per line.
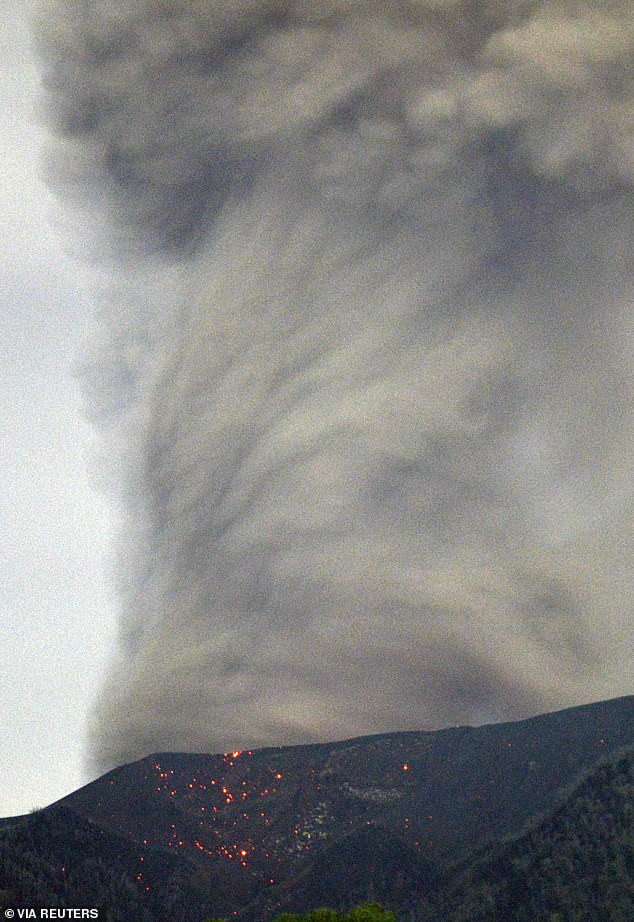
point(290, 826)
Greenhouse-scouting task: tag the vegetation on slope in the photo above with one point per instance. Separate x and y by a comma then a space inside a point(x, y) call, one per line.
point(342, 824)
point(55, 859)
point(573, 866)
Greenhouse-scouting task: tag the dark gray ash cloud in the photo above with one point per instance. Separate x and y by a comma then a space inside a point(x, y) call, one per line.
point(366, 359)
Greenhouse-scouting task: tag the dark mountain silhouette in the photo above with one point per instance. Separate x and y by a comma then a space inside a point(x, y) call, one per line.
point(379, 817)
point(371, 863)
point(54, 858)
point(577, 864)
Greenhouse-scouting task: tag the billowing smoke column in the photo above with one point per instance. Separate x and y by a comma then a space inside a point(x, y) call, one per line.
point(368, 364)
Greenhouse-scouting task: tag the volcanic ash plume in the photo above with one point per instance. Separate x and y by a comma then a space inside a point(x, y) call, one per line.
point(368, 365)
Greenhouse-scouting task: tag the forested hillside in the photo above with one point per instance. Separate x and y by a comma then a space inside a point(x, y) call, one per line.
point(573, 866)
point(576, 865)
point(432, 825)
point(52, 858)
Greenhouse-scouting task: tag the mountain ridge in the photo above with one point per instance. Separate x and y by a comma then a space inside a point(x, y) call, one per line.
point(270, 828)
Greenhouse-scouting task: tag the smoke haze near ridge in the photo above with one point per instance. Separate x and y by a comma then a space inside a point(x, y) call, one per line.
point(366, 361)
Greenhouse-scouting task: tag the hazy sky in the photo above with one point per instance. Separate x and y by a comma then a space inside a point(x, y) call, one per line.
point(377, 442)
point(364, 373)
point(57, 612)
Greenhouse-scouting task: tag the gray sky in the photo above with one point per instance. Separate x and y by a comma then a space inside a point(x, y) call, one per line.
point(56, 608)
point(364, 375)
point(379, 456)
